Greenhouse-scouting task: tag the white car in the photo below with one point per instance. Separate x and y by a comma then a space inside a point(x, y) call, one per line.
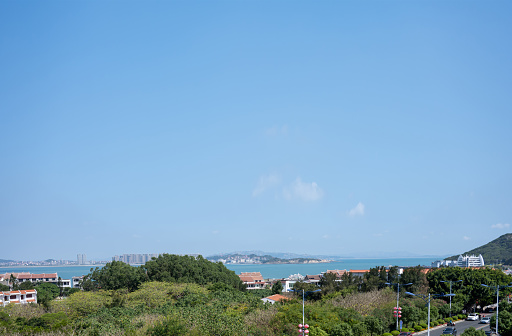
point(472, 317)
point(485, 320)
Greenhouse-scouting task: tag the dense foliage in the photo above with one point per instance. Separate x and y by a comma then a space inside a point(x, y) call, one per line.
point(175, 268)
point(164, 298)
point(469, 292)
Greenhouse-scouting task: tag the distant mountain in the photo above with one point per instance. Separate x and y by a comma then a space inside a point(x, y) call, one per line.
point(368, 255)
point(497, 251)
point(5, 261)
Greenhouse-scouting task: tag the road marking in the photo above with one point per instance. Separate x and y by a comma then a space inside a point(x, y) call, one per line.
point(485, 325)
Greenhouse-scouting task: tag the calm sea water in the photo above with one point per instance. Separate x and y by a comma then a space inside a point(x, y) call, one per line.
point(268, 271)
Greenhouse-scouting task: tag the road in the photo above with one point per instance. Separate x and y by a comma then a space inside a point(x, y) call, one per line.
point(460, 325)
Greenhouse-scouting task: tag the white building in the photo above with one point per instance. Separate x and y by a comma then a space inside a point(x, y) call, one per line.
point(76, 280)
point(81, 259)
point(135, 258)
point(470, 261)
point(274, 298)
point(18, 297)
point(445, 263)
point(253, 280)
point(44, 277)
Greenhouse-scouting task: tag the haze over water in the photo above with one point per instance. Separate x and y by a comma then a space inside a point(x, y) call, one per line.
point(267, 270)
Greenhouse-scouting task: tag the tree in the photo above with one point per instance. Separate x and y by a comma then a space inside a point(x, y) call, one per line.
point(470, 290)
point(68, 291)
point(329, 284)
point(277, 288)
point(300, 286)
point(175, 268)
point(114, 275)
point(374, 279)
point(26, 285)
point(505, 319)
point(342, 329)
point(13, 282)
point(46, 292)
point(374, 325)
point(59, 284)
point(4, 288)
point(416, 276)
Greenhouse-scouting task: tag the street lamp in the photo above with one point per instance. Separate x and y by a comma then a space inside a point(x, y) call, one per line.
point(450, 282)
point(497, 289)
point(304, 293)
point(427, 299)
point(397, 309)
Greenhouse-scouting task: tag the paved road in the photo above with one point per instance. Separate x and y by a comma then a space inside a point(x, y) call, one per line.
point(460, 325)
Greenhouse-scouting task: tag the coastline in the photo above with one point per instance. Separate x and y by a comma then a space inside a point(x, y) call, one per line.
point(24, 266)
point(268, 271)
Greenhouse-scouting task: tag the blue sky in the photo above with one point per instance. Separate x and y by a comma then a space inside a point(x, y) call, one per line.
point(335, 127)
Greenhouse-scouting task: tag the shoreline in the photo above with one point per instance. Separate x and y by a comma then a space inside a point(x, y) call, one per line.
point(21, 266)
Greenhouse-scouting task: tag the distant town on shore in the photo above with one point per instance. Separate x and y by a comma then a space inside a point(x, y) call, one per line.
point(498, 251)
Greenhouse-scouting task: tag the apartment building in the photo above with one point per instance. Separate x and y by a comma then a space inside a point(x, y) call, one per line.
point(18, 297)
point(253, 280)
point(44, 277)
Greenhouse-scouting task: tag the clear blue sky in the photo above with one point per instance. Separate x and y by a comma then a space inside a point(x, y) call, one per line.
point(320, 127)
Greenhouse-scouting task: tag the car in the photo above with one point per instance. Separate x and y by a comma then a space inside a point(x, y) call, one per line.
point(490, 333)
point(405, 334)
point(472, 317)
point(485, 320)
point(450, 331)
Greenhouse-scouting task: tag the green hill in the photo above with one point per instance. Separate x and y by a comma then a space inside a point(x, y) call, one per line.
point(497, 251)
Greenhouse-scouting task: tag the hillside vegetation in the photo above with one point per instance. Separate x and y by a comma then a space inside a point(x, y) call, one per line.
point(497, 251)
point(190, 296)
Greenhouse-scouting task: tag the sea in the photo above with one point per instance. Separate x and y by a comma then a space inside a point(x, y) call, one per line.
point(268, 271)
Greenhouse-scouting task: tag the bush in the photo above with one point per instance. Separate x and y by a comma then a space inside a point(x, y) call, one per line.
point(461, 316)
point(168, 327)
point(316, 331)
point(440, 321)
point(405, 329)
point(387, 334)
point(424, 325)
point(418, 327)
point(447, 319)
point(395, 332)
point(342, 329)
point(433, 324)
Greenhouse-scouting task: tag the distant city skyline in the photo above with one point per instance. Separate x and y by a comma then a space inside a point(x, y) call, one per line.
point(331, 128)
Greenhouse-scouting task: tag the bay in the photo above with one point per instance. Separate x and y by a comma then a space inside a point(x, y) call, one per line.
point(268, 271)
point(277, 271)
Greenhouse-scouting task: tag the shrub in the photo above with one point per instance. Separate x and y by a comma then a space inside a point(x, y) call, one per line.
point(168, 327)
point(418, 327)
point(461, 316)
point(83, 303)
point(433, 323)
point(440, 321)
point(316, 331)
point(447, 319)
point(395, 332)
point(387, 334)
point(405, 329)
point(424, 325)
point(342, 329)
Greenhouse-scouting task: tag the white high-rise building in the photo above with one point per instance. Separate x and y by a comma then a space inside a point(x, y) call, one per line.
point(81, 259)
point(135, 258)
point(470, 261)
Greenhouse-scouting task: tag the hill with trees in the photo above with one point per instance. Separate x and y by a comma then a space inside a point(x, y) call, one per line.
point(237, 258)
point(497, 251)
